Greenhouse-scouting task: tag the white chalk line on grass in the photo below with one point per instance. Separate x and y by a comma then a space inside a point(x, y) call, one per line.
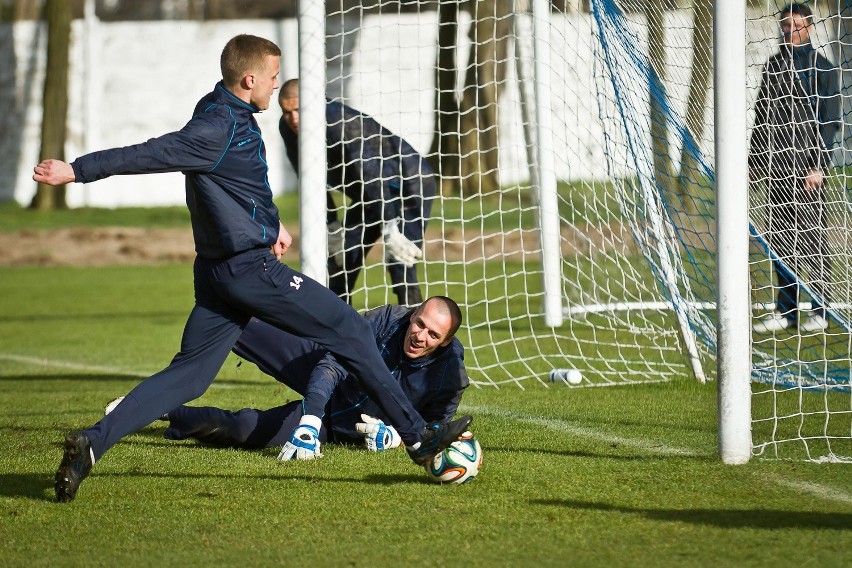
point(41, 362)
point(563, 426)
point(71, 365)
point(650, 446)
point(815, 489)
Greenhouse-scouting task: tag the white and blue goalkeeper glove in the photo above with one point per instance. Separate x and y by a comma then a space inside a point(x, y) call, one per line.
point(378, 436)
point(398, 248)
point(304, 442)
point(336, 245)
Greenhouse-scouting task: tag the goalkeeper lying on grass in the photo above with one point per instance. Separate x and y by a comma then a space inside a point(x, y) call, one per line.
point(417, 344)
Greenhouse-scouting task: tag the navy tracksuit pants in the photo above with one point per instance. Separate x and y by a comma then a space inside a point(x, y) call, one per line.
point(227, 293)
point(287, 358)
point(247, 429)
point(798, 235)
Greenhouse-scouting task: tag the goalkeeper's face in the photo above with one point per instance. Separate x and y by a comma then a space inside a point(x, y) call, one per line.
point(290, 110)
point(428, 330)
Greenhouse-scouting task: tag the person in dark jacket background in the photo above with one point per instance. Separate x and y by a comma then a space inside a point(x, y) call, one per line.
point(237, 274)
point(418, 345)
point(390, 188)
point(797, 115)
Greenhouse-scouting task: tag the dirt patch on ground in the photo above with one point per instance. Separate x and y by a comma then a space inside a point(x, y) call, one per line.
point(84, 246)
point(105, 246)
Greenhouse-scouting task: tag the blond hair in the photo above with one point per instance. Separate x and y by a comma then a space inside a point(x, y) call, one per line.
point(244, 53)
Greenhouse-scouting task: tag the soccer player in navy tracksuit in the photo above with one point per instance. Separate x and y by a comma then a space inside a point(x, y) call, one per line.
point(239, 240)
point(417, 344)
point(390, 189)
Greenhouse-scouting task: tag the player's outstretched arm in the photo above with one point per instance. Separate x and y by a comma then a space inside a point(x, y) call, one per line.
point(53, 172)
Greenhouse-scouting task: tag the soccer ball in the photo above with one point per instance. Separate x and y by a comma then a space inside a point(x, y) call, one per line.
point(457, 464)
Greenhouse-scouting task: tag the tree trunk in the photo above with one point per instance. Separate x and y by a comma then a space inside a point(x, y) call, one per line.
point(484, 82)
point(55, 98)
point(27, 10)
point(464, 149)
point(444, 154)
point(656, 91)
point(696, 103)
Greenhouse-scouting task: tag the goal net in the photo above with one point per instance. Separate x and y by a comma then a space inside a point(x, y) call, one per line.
point(801, 402)
point(574, 219)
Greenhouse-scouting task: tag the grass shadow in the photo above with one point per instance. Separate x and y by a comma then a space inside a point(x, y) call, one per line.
point(641, 456)
point(771, 519)
point(39, 486)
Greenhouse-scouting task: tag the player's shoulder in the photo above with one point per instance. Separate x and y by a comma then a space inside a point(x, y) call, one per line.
point(455, 349)
point(385, 317)
point(823, 62)
point(453, 368)
point(211, 125)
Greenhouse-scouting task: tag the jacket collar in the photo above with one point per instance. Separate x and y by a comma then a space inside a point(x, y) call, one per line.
point(796, 51)
point(232, 100)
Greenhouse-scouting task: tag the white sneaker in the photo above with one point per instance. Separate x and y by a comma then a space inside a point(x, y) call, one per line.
point(771, 323)
point(814, 323)
point(113, 403)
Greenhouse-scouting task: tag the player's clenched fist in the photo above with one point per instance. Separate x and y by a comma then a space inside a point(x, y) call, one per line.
point(53, 172)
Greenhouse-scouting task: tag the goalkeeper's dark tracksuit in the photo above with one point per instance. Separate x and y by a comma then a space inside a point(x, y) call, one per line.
point(236, 276)
point(384, 179)
point(434, 384)
point(797, 115)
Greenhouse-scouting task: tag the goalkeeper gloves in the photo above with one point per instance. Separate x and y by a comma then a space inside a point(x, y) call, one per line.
point(378, 436)
point(398, 248)
point(304, 442)
point(336, 246)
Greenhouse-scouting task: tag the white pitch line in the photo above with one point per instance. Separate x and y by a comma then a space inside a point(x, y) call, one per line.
point(650, 446)
point(815, 489)
point(40, 362)
point(563, 426)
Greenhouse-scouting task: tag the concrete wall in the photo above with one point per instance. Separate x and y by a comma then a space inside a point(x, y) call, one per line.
point(133, 81)
point(137, 81)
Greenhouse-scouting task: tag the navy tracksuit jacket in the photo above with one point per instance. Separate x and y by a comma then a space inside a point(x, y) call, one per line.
point(434, 384)
point(236, 276)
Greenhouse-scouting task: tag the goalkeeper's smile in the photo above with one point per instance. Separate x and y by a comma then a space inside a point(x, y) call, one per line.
point(431, 327)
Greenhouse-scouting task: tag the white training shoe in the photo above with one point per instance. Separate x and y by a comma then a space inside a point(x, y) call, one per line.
point(111, 406)
point(814, 323)
point(771, 323)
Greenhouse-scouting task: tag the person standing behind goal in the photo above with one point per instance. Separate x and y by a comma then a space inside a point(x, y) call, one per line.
point(239, 240)
point(797, 115)
point(390, 188)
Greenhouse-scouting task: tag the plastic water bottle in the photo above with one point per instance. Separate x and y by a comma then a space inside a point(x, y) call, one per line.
point(567, 376)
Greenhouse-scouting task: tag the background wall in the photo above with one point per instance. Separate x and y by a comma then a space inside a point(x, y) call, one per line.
point(137, 81)
point(131, 81)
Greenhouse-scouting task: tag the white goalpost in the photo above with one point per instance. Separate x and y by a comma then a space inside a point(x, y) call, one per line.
point(312, 141)
point(592, 209)
point(733, 302)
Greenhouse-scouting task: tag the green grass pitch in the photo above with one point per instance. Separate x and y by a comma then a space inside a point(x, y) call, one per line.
point(591, 477)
